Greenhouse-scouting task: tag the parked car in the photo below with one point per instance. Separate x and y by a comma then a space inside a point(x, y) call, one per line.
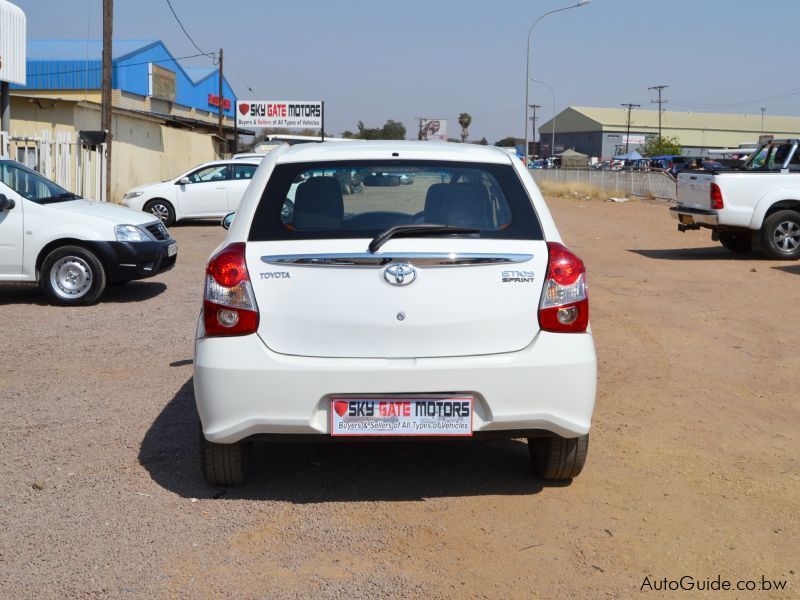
point(446, 308)
point(210, 190)
point(679, 163)
point(70, 246)
point(755, 207)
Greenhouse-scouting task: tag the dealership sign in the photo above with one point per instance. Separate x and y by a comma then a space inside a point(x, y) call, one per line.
point(213, 100)
point(256, 114)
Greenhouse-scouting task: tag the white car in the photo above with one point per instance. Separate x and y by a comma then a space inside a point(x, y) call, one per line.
point(70, 246)
point(210, 190)
point(445, 308)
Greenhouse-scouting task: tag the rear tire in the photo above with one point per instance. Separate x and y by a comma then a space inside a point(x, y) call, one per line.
point(72, 275)
point(736, 241)
point(556, 458)
point(222, 464)
point(161, 209)
point(781, 235)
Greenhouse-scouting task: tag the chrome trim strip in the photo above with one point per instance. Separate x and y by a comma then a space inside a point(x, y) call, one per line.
point(418, 259)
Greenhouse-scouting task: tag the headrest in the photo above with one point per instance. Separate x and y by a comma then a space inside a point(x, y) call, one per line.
point(318, 204)
point(461, 204)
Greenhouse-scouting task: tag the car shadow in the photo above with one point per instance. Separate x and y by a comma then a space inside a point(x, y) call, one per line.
point(303, 472)
point(21, 293)
point(704, 253)
point(795, 269)
point(134, 291)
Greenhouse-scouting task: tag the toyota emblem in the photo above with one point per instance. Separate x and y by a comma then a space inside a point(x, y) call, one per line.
point(399, 274)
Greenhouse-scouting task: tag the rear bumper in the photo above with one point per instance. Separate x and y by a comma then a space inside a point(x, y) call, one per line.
point(243, 389)
point(126, 261)
point(694, 218)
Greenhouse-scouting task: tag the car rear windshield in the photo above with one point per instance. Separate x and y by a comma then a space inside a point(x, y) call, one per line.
point(325, 200)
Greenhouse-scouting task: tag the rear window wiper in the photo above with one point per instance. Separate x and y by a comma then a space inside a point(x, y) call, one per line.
point(415, 230)
point(58, 198)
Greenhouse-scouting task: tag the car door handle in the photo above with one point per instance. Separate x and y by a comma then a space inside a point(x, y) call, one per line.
point(220, 187)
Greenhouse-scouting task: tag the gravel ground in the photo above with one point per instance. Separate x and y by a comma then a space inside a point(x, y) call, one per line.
point(692, 470)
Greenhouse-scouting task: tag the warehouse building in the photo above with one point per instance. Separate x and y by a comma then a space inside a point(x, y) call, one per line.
point(603, 132)
point(165, 116)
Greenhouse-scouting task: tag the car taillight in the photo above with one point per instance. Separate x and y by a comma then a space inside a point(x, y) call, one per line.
point(564, 306)
point(229, 305)
point(716, 196)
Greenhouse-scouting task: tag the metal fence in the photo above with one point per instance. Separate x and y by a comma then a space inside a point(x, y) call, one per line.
point(654, 184)
point(72, 165)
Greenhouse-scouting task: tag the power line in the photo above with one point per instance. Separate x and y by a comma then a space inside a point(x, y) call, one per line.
point(88, 69)
point(779, 96)
point(174, 14)
point(239, 77)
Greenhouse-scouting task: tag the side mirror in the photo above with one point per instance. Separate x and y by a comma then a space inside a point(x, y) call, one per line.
point(6, 203)
point(183, 181)
point(227, 220)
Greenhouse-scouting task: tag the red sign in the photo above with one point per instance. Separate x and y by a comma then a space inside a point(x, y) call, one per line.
point(213, 100)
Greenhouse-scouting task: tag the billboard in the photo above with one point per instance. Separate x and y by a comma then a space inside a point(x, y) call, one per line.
point(259, 114)
point(634, 139)
point(162, 83)
point(433, 130)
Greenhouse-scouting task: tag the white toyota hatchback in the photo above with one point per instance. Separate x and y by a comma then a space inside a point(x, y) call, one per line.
point(343, 304)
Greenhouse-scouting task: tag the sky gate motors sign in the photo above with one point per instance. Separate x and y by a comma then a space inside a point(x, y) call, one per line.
point(257, 114)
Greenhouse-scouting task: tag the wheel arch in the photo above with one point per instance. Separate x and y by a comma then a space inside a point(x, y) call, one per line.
point(172, 204)
point(58, 243)
point(779, 200)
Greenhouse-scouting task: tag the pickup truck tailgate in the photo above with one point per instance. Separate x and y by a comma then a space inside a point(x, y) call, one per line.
point(694, 189)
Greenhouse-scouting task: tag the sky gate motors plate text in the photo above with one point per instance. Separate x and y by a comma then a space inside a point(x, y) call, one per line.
point(428, 416)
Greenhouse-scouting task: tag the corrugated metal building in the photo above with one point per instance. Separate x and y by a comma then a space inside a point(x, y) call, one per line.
point(145, 76)
point(164, 118)
point(601, 132)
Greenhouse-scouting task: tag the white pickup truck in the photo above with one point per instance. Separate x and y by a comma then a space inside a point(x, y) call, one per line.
point(752, 208)
point(70, 246)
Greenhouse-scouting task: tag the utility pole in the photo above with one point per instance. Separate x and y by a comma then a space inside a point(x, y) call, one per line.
point(533, 130)
point(220, 112)
point(659, 88)
point(105, 102)
point(763, 110)
point(630, 107)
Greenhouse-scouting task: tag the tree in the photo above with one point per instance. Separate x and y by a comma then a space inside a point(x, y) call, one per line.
point(506, 142)
point(391, 130)
point(483, 141)
point(655, 146)
point(465, 120)
point(394, 130)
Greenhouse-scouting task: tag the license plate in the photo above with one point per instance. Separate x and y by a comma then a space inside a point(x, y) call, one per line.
point(395, 416)
point(172, 250)
point(686, 219)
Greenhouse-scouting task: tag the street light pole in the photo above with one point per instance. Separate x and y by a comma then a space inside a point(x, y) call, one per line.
point(528, 64)
point(553, 124)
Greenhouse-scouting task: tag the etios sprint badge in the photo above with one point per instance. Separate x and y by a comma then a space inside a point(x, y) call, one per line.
point(432, 416)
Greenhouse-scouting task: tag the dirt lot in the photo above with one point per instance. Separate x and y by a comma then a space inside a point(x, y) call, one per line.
point(693, 464)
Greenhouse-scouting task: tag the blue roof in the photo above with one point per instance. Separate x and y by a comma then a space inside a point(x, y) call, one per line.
point(76, 65)
point(81, 49)
point(198, 73)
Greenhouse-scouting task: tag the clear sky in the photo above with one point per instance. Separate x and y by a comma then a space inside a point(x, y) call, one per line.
point(378, 60)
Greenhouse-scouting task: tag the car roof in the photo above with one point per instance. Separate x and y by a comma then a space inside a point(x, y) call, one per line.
point(393, 150)
point(227, 161)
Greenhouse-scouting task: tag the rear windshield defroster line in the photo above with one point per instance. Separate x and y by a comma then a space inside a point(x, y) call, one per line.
point(269, 224)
